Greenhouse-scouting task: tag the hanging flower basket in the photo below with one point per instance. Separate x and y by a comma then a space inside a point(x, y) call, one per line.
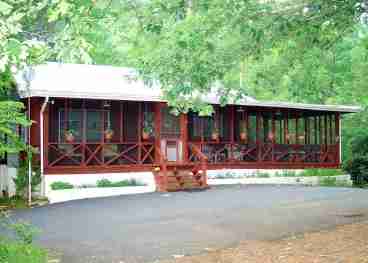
point(243, 136)
point(145, 135)
point(69, 136)
point(109, 134)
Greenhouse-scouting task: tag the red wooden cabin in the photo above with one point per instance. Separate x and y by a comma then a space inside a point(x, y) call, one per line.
point(98, 119)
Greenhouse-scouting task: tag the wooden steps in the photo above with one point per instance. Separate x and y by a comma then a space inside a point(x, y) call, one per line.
point(181, 179)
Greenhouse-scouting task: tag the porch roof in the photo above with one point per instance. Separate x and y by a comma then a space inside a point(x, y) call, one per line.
point(117, 83)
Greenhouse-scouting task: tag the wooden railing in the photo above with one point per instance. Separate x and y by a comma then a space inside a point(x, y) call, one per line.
point(225, 153)
point(100, 154)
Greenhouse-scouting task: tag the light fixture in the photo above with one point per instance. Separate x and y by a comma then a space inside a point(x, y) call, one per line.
point(106, 104)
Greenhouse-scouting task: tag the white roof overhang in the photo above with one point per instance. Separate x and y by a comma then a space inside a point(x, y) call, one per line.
point(116, 83)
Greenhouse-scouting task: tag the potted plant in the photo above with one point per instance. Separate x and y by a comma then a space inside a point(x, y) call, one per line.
point(271, 136)
point(215, 134)
point(69, 135)
point(243, 132)
point(109, 133)
point(146, 132)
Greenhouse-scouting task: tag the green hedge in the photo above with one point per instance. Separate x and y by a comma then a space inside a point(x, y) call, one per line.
point(123, 183)
point(357, 166)
point(61, 185)
point(18, 252)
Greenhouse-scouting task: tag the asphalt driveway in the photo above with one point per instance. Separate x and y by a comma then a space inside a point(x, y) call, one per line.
point(148, 227)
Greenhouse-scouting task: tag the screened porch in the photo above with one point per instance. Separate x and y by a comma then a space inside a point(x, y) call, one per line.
point(84, 135)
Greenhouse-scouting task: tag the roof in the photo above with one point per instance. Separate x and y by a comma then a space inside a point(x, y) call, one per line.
point(118, 83)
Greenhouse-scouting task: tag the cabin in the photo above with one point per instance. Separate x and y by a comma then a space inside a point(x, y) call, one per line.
point(91, 119)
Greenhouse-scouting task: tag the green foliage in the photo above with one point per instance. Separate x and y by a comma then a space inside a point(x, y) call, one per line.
point(21, 249)
point(24, 231)
point(123, 183)
point(21, 180)
point(333, 182)
point(58, 185)
point(13, 202)
point(15, 252)
point(321, 172)
point(191, 48)
point(357, 166)
point(287, 173)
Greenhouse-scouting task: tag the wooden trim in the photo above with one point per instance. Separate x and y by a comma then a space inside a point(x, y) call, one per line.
point(157, 118)
point(46, 136)
point(184, 136)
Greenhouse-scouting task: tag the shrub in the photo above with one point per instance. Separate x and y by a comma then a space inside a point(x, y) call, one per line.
point(321, 172)
point(123, 183)
point(21, 249)
point(104, 183)
point(16, 252)
point(21, 180)
point(262, 174)
point(61, 185)
point(357, 166)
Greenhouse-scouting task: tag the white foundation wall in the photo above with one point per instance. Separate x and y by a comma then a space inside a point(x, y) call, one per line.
point(79, 180)
point(6, 180)
point(248, 172)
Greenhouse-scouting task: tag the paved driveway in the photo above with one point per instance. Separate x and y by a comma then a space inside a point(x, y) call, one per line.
point(144, 228)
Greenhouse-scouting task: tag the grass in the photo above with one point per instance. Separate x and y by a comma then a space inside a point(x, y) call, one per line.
point(13, 202)
point(18, 252)
point(123, 183)
point(332, 182)
point(58, 185)
point(321, 172)
point(311, 172)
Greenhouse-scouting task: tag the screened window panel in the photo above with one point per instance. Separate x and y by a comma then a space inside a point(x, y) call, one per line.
point(208, 126)
point(252, 128)
point(170, 124)
point(130, 118)
point(301, 131)
point(94, 126)
point(194, 126)
point(224, 123)
point(292, 131)
point(72, 120)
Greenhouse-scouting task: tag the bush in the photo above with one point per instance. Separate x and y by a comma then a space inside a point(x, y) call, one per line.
point(104, 183)
point(123, 183)
point(321, 172)
point(61, 185)
point(16, 252)
point(21, 180)
point(357, 166)
point(20, 249)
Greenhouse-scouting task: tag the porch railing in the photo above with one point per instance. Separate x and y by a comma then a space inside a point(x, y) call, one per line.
point(100, 154)
point(221, 153)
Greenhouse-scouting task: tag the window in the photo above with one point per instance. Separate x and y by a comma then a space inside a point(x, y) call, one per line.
point(70, 121)
point(94, 126)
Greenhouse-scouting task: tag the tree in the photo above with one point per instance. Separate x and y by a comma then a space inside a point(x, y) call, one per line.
point(190, 52)
point(32, 31)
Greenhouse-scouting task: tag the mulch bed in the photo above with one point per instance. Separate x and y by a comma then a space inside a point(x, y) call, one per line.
point(345, 244)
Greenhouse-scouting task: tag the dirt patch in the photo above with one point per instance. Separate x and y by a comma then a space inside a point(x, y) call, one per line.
point(343, 244)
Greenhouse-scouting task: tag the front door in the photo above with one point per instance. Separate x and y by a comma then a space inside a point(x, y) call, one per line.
point(171, 144)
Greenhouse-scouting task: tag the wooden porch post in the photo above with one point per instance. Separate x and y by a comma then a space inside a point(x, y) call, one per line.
point(140, 118)
point(258, 142)
point(184, 136)
point(157, 120)
point(232, 131)
point(274, 135)
point(337, 138)
point(46, 136)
